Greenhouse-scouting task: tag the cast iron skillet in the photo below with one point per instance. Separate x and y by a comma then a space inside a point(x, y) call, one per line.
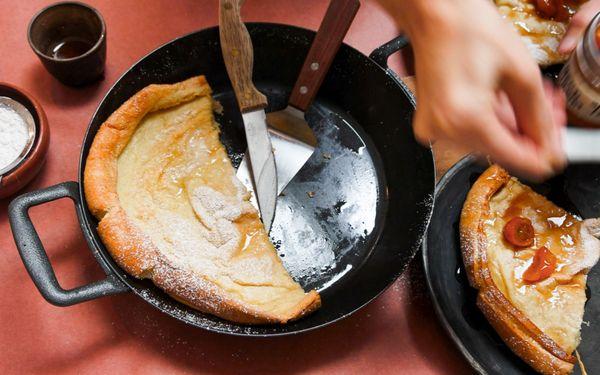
point(578, 191)
point(372, 183)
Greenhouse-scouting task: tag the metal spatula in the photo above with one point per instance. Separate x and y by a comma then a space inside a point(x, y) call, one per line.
point(293, 140)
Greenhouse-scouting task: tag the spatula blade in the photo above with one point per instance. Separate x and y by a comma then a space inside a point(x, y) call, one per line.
point(293, 144)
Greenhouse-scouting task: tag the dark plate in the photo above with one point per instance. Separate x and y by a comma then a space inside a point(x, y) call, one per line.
point(577, 190)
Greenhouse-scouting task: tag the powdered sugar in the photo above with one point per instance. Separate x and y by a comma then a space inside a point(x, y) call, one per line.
point(13, 135)
point(179, 189)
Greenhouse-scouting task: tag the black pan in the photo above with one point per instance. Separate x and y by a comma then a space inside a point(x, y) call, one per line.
point(578, 191)
point(372, 197)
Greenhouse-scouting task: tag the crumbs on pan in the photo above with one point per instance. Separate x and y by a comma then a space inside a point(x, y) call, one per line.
point(217, 107)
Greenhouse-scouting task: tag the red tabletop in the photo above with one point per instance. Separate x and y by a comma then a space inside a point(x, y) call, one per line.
point(397, 333)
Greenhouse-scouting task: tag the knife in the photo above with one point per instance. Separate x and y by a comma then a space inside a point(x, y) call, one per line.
point(581, 145)
point(293, 140)
point(238, 55)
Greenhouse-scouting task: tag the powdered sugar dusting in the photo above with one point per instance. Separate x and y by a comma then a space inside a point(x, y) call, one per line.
point(178, 187)
point(13, 135)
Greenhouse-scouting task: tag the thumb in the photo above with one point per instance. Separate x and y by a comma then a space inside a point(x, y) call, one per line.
point(578, 24)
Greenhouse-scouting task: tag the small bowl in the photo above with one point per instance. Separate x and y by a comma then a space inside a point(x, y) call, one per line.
point(31, 164)
point(31, 131)
point(69, 38)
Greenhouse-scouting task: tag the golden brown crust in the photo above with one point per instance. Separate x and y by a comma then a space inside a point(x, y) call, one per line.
point(127, 245)
point(140, 258)
point(518, 338)
point(207, 300)
point(130, 248)
point(231, 310)
point(472, 237)
point(517, 331)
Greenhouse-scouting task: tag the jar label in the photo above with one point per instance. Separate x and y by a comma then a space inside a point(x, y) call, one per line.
point(582, 100)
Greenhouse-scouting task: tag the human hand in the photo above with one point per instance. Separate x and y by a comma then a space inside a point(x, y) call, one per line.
point(579, 23)
point(478, 86)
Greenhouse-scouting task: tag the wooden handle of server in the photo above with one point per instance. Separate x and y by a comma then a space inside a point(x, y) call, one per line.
point(333, 29)
point(238, 55)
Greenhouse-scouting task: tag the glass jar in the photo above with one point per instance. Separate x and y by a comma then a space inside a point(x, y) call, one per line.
point(580, 79)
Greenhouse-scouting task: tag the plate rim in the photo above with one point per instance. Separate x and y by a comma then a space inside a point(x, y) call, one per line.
point(440, 186)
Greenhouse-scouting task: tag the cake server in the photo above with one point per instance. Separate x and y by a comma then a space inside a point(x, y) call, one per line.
point(293, 140)
point(238, 55)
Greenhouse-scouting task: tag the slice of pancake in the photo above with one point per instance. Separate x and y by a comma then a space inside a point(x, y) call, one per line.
point(541, 32)
point(171, 209)
point(540, 318)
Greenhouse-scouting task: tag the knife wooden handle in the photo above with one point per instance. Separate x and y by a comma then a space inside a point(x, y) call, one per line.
point(238, 55)
point(333, 29)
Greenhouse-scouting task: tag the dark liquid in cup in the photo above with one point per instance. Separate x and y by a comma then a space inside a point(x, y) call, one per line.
point(69, 48)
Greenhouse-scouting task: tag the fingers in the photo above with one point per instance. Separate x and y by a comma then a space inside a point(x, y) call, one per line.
point(506, 115)
point(483, 133)
point(504, 111)
point(559, 104)
point(516, 152)
point(578, 24)
point(534, 112)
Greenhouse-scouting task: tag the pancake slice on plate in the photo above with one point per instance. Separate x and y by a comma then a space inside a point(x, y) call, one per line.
point(529, 260)
point(541, 25)
point(171, 209)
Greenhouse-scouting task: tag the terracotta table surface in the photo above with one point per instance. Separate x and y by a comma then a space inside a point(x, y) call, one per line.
point(397, 333)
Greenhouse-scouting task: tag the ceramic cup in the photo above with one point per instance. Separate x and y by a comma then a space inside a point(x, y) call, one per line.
point(70, 40)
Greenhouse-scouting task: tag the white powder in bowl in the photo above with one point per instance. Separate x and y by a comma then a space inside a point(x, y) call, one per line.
point(13, 135)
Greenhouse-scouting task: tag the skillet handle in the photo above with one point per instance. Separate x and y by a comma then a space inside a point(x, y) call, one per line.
point(34, 255)
point(329, 38)
point(381, 54)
